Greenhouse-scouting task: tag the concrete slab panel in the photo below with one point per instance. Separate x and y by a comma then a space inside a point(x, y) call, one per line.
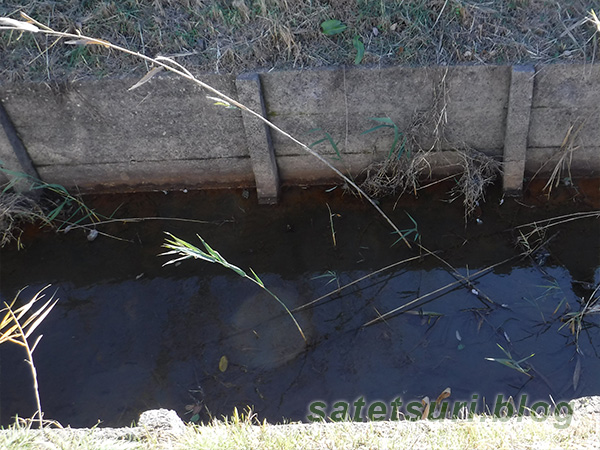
point(258, 138)
point(149, 175)
point(549, 126)
point(101, 121)
point(337, 89)
point(567, 86)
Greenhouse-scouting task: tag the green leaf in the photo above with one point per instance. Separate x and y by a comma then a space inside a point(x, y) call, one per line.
point(258, 280)
point(388, 123)
point(332, 27)
point(360, 49)
point(329, 139)
point(56, 211)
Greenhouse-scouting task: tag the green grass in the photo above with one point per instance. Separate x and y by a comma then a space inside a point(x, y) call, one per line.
point(245, 433)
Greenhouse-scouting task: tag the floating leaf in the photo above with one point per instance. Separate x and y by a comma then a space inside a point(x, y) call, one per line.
point(445, 394)
point(577, 373)
point(223, 363)
point(332, 27)
point(360, 49)
point(426, 405)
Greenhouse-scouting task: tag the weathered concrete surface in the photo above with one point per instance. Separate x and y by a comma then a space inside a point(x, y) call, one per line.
point(583, 160)
point(517, 121)
point(341, 102)
point(98, 135)
point(565, 95)
point(151, 175)
point(18, 160)
point(258, 138)
point(96, 132)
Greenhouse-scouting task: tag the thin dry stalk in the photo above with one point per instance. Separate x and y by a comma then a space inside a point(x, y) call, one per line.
point(461, 280)
point(565, 158)
point(341, 288)
point(532, 239)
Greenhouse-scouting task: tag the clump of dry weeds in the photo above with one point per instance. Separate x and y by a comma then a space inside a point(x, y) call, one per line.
point(408, 164)
point(478, 172)
point(15, 210)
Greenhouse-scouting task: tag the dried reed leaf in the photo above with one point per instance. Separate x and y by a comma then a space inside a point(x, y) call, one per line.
point(445, 394)
point(40, 316)
point(37, 341)
point(427, 404)
point(12, 24)
point(146, 78)
point(88, 41)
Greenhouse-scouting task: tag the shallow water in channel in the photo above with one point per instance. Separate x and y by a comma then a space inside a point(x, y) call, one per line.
point(129, 335)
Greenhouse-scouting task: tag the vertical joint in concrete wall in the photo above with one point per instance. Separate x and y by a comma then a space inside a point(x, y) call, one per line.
point(520, 99)
point(258, 137)
point(15, 157)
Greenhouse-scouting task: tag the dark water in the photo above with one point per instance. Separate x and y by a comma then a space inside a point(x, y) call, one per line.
point(129, 335)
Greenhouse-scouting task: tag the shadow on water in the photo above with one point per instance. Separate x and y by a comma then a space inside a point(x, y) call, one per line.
point(129, 335)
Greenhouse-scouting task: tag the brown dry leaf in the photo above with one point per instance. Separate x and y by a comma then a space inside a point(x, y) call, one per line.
point(223, 363)
point(426, 403)
point(88, 41)
point(146, 78)
point(445, 394)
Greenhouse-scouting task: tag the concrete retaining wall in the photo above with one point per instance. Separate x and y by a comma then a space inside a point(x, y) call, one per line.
point(97, 135)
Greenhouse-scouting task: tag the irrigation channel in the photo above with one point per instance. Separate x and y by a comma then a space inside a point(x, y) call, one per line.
point(129, 334)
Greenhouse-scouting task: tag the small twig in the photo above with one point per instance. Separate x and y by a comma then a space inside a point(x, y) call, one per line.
point(331, 225)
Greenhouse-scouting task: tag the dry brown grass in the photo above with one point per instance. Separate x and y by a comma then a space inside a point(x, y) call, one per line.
point(409, 164)
point(15, 210)
point(233, 36)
